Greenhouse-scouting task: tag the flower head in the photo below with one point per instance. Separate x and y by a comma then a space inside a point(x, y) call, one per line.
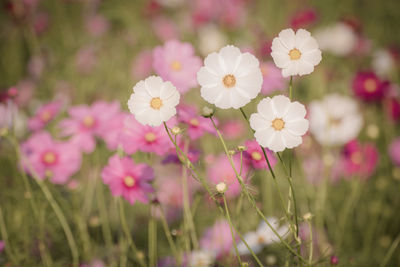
point(279, 123)
point(197, 125)
point(49, 158)
point(229, 78)
point(153, 101)
point(127, 179)
point(218, 239)
point(255, 156)
point(368, 87)
point(178, 68)
point(44, 115)
point(295, 53)
point(201, 258)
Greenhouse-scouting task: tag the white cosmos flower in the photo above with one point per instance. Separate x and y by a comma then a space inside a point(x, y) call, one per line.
point(383, 62)
point(338, 39)
point(153, 101)
point(210, 39)
point(263, 236)
point(335, 120)
point(295, 53)
point(201, 258)
point(279, 123)
point(230, 79)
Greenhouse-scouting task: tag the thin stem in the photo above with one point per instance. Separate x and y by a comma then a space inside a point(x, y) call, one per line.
point(390, 252)
point(311, 242)
point(232, 233)
point(105, 225)
point(4, 234)
point(168, 235)
point(152, 240)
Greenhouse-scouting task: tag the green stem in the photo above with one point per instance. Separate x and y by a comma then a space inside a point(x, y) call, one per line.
point(168, 235)
point(232, 233)
point(4, 234)
point(390, 252)
point(152, 240)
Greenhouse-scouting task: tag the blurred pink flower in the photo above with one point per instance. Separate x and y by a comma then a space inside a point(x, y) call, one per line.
point(358, 159)
point(49, 158)
point(197, 125)
point(97, 25)
point(273, 79)
point(40, 22)
point(25, 92)
point(393, 108)
point(86, 59)
point(394, 151)
point(303, 18)
point(142, 65)
point(44, 115)
point(36, 66)
point(221, 171)
point(180, 68)
point(127, 179)
point(2, 245)
point(367, 86)
point(218, 239)
point(85, 123)
point(232, 129)
point(114, 127)
point(254, 156)
point(164, 28)
point(313, 167)
point(138, 137)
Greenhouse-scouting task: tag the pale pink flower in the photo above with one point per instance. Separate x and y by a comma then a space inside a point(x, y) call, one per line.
point(394, 151)
point(180, 68)
point(138, 137)
point(85, 123)
point(142, 65)
point(128, 179)
point(44, 115)
point(196, 124)
point(255, 156)
point(26, 89)
point(2, 245)
point(221, 171)
point(233, 129)
point(218, 239)
point(114, 127)
point(49, 158)
point(86, 59)
point(36, 66)
point(97, 25)
point(40, 22)
point(273, 79)
point(164, 28)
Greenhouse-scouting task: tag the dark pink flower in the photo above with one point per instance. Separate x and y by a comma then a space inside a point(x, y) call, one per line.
point(255, 156)
point(127, 179)
point(87, 122)
point(49, 158)
point(369, 87)
point(218, 239)
point(44, 115)
point(394, 151)
point(179, 68)
point(393, 108)
point(196, 124)
point(303, 18)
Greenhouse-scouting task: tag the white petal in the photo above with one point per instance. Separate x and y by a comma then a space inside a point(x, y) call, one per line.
point(290, 140)
point(302, 36)
point(280, 104)
point(298, 127)
point(281, 60)
point(168, 90)
point(207, 78)
point(308, 45)
point(264, 136)
point(238, 100)
point(265, 109)
point(211, 62)
point(276, 143)
point(257, 122)
point(247, 64)
point(287, 37)
point(304, 67)
point(295, 111)
point(278, 47)
point(231, 57)
point(154, 85)
point(252, 82)
point(291, 69)
point(314, 56)
point(212, 93)
point(223, 100)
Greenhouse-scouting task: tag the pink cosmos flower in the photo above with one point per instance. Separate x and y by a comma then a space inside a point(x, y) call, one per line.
point(164, 28)
point(49, 158)
point(394, 151)
point(179, 68)
point(26, 89)
point(232, 129)
point(40, 22)
point(145, 138)
point(142, 65)
point(221, 171)
point(97, 25)
point(393, 108)
point(86, 59)
point(127, 179)
point(255, 156)
point(359, 159)
point(303, 18)
point(273, 79)
point(114, 127)
point(368, 86)
point(44, 115)
point(85, 123)
point(218, 239)
point(197, 125)
point(2, 245)
point(36, 66)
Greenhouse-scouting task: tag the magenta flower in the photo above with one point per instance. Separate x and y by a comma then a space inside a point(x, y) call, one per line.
point(86, 123)
point(273, 79)
point(393, 108)
point(359, 159)
point(218, 239)
point(303, 19)
point(197, 125)
point(179, 68)
point(367, 86)
point(138, 137)
point(127, 179)
point(255, 157)
point(394, 151)
point(44, 115)
point(49, 158)
point(221, 171)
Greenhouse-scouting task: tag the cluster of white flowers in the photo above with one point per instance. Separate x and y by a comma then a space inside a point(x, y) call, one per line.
point(231, 79)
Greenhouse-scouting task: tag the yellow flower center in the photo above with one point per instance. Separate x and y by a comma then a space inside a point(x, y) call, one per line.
point(356, 157)
point(88, 121)
point(370, 85)
point(194, 122)
point(49, 158)
point(294, 54)
point(150, 137)
point(45, 116)
point(229, 81)
point(256, 155)
point(129, 181)
point(260, 240)
point(156, 103)
point(176, 65)
point(264, 70)
point(278, 124)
